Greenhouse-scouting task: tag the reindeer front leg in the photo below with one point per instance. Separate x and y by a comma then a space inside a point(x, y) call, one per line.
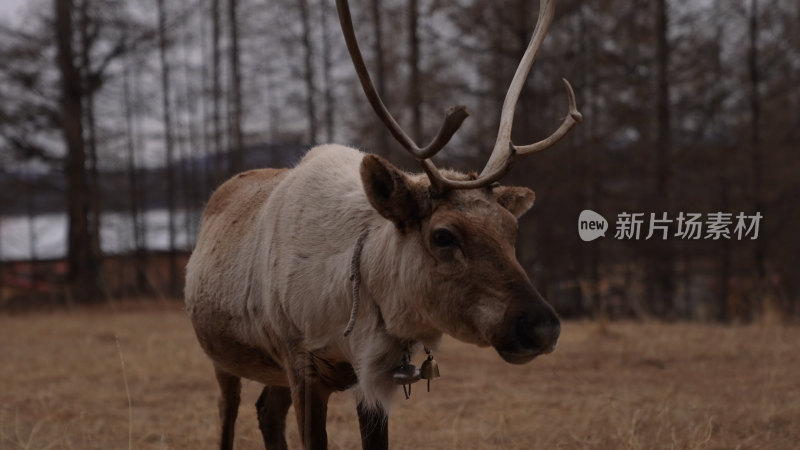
point(374, 425)
point(310, 399)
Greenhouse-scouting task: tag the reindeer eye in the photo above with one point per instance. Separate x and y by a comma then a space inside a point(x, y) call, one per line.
point(443, 238)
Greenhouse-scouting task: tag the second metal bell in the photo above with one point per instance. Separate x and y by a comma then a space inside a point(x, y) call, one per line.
point(406, 374)
point(429, 369)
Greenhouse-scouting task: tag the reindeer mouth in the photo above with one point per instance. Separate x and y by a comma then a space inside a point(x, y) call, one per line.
point(518, 356)
point(529, 340)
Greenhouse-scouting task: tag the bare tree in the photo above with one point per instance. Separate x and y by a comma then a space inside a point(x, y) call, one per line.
point(216, 90)
point(33, 237)
point(209, 142)
point(597, 304)
point(137, 224)
point(169, 147)
point(2, 266)
point(193, 183)
point(308, 70)
point(662, 259)
point(756, 158)
point(91, 84)
point(380, 68)
point(414, 88)
point(326, 71)
point(84, 262)
point(237, 152)
point(723, 168)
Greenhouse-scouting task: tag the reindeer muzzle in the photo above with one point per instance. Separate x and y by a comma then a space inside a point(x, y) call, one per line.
point(529, 331)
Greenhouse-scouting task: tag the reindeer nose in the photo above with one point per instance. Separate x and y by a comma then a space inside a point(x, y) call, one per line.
point(538, 331)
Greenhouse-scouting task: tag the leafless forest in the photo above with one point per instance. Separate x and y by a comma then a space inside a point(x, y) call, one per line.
point(119, 118)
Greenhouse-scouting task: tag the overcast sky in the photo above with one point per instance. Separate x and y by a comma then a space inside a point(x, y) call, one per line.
point(10, 8)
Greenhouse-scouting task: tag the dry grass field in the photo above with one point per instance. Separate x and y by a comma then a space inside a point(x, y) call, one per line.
point(624, 385)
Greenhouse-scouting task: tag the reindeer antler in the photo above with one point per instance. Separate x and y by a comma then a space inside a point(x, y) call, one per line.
point(453, 116)
point(504, 152)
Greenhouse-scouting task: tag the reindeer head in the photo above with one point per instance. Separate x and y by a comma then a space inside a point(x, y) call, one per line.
point(466, 225)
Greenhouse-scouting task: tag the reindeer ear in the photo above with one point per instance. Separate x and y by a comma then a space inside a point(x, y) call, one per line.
point(517, 200)
point(390, 192)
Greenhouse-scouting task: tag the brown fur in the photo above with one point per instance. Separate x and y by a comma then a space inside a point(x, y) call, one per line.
point(242, 194)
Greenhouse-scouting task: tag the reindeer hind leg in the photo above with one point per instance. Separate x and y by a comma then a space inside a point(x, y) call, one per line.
point(310, 399)
point(230, 387)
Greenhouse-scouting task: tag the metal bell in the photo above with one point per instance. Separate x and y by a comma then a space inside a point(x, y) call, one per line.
point(406, 374)
point(429, 369)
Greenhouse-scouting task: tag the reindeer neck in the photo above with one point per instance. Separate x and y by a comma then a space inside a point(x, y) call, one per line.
point(391, 280)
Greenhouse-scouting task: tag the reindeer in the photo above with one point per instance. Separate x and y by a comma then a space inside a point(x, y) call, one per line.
point(330, 275)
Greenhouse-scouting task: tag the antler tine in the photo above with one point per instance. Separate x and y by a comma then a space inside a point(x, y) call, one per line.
point(573, 118)
point(503, 146)
point(453, 116)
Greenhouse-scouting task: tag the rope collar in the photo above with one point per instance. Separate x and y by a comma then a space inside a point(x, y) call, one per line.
point(355, 278)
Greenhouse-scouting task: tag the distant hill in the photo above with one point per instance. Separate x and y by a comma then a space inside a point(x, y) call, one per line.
point(47, 190)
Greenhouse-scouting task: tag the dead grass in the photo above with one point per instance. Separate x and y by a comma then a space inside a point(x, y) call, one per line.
point(623, 386)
